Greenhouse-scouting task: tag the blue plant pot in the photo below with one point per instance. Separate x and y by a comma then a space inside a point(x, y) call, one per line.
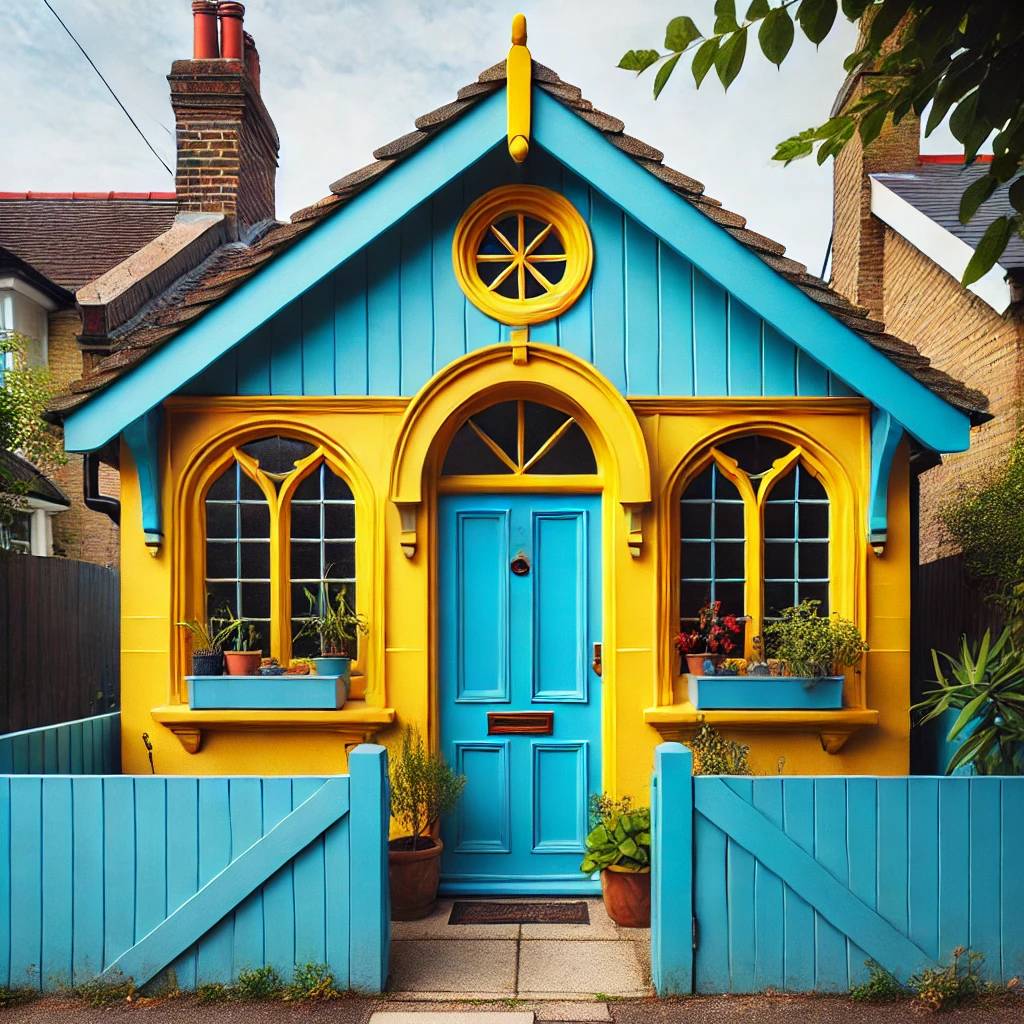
point(334, 667)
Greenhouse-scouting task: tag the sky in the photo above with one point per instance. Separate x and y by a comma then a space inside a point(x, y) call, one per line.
point(343, 77)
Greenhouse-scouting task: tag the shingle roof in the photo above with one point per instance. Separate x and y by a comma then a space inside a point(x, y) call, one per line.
point(39, 485)
point(228, 268)
point(73, 237)
point(935, 189)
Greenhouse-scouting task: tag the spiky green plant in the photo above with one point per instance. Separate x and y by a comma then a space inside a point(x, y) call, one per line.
point(423, 787)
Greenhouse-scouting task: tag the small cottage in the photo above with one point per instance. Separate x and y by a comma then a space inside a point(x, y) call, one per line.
point(531, 398)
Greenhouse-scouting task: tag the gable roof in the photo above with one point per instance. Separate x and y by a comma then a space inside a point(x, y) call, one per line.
point(231, 266)
point(37, 484)
point(73, 237)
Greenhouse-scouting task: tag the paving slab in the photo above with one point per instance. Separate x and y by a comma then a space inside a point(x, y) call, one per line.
point(601, 927)
point(451, 1017)
point(436, 926)
point(555, 968)
point(566, 1010)
point(472, 968)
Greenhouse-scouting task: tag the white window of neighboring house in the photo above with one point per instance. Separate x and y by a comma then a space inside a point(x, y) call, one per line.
point(17, 538)
point(23, 315)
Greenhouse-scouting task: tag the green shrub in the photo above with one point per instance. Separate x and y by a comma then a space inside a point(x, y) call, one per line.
point(423, 787)
point(258, 983)
point(16, 996)
point(881, 986)
point(958, 984)
point(100, 994)
point(212, 992)
point(812, 645)
point(620, 834)
point(311, 981)
point(715, 755)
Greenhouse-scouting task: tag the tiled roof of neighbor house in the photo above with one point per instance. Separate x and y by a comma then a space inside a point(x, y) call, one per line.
point(39, 486)
point(73, 237)
point(13, 264)
point(230, 266)
point(935, 189)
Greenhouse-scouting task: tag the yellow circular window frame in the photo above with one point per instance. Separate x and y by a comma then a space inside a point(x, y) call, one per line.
point(562, 219)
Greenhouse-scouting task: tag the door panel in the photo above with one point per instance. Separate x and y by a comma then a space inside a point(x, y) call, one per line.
point(519, 641)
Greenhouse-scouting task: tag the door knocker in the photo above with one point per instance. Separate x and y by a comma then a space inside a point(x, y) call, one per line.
point(520, 564)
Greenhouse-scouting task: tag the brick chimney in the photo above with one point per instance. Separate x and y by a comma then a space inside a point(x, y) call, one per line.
point(227, 142)
point(858, 236)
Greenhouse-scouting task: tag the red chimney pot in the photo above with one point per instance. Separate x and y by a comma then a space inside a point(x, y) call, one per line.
point(204, 30)
point(231, 15)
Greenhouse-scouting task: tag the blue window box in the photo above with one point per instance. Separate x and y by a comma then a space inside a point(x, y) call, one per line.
point(272, 693)
point(764, 693)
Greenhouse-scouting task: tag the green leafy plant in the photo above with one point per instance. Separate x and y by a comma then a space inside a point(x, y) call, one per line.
point(813, 646)
point(423, 787)
point(257, 983)
point(881, 986)
point(311, 981)
point(209, 638)
point(337, 626)
point(986, 685)
point(212, 992)
point(16, 996)
point(620, 835)
point(957, 984)
point(715, 755)
point(958, 56)
point(100, 994)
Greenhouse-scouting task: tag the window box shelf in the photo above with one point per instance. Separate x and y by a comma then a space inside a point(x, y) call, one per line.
point(356, 722)
point(834, 728)
point(267, 693)
point(764, 693)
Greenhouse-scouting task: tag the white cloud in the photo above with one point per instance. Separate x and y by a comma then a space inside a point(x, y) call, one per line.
point(341, 78)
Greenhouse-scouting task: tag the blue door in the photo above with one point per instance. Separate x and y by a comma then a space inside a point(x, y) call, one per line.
point(519, 580)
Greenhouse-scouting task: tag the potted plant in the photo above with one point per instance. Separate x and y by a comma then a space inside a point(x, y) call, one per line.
point(713, 639)
point(337, 628)
point(619, 846)
point(423, 788)
point(207, 641)
point(245, 655)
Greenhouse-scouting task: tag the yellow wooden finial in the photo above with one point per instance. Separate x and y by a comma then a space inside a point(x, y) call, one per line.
point(519, 71)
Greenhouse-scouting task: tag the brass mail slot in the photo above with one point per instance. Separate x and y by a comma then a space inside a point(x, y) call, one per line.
point(538, 723)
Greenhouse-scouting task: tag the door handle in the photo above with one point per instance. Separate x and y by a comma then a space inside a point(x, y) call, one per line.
point(596, 663)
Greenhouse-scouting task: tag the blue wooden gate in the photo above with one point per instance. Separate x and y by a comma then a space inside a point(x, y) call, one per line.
point(115, 877)
point(520, 704)
point(792, 883)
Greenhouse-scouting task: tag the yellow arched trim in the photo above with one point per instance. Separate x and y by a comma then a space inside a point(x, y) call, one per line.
point(562, 219)
point(203, 466)
point(549, 375)
point(845, 541)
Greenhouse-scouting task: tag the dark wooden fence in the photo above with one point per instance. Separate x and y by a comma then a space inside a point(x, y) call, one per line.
point(59, 641)
point(946, 606)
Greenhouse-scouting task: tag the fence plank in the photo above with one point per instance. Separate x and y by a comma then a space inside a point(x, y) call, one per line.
point(5, 883)
point(954, 863)
point(831, 973)
point(337, 872)
point(806, 877)
point(769, 969)
point(923, 863)
point(308, 881)
point(183, 864)
point(151, 853)
point(119, 866)
point(862, 839)
point(246, 796)
point(740, 907)
point(214, 960)
point(985, 845)
point(26, 881)
point(278, 903)
point(223, 892)
point(892, 852)
point(88, 881)
point(1011, 891)
point(798, 819)
point(57, 888)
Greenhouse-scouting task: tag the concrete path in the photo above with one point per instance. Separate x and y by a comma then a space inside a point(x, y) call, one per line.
point(432, 960)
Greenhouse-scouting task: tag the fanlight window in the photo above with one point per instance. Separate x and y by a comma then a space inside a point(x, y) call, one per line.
point(521, 257)
point(519, 438)
point(754, 531)
point(279, 521)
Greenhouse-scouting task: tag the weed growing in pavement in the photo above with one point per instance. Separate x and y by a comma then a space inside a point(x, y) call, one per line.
point(257, 983)
point(881, 986)
point(213, 992)
point(16, 996)
point(311, 981)
point(99, 994)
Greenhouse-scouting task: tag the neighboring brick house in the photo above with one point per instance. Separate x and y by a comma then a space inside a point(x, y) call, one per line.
point(56, 243)
point(900, 250)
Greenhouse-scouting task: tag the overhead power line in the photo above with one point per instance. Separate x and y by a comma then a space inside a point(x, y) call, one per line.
point(109, 89)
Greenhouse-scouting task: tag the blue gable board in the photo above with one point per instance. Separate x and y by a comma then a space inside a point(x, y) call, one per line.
point(393, 315)
point(375, 223)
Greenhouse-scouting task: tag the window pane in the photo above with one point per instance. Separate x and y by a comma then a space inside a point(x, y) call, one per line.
point(306, 521)
point(783, 489)
point(778, 520)
point(728, 520)
point(729, 560)
point(692, 595)
point(221, 596)
point(815, 592)
point(334, 486)
point(305, 560)
point(501, 424)
point(340, 560)
point(810, 486)
point(777, 596)
point(221, 560)
point(250, 490)
point(695, 561)
point(541, 421)
point(755, 453)
point(309, 488)
point(468, 455)
point(255, 561)
point(221, 520)
point(731, 596)
point(724, 488)
point(571, 453)
point(700, 487)
point(778, 561)
point(813, 520)
point(696, 520)
point(255, 520)
point(256, 600)
point(278, 454)
point(340, 521)
point(813, 561)
point(223, 488)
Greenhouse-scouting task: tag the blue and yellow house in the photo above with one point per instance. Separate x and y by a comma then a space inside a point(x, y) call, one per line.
point(531, 396)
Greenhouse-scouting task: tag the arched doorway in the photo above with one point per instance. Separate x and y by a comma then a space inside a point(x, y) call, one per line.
point(529, 461)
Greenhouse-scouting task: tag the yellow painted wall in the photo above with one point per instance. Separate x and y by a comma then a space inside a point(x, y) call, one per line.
point(639, 668)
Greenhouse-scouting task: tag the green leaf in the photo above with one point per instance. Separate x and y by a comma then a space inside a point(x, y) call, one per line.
point(853, 9)
point(703, 60)
point(885, 21)
point(757, 10)
point(725, 17)
point(776, 35)
point(871, 124)
point(588, 867)
point(664, 73)
point(1016, 195)
point(628, 848)
point(644, 838)
point(990, 248)
point(816, 18)
point(729, 59)
point(975, 194)
point(599, 837)
point(639, 60)
point(793, 149)
point(855, 59)
point(680, 32)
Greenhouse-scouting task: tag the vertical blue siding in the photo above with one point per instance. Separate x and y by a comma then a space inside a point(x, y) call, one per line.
point(649, 320)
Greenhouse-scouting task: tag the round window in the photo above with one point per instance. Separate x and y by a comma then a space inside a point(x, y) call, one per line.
point(522, 254)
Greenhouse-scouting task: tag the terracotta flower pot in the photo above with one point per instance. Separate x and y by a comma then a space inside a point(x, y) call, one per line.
point(627, 896)
point(695, 662)
point(243, 663)
point(414, 876)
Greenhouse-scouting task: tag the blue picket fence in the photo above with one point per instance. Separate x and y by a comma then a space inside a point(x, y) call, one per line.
point(190, 880)
point(793, 883)
point(86, 746)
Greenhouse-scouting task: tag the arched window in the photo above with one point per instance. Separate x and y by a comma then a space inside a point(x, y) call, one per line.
point(520, 438)
point(754, 527)
point(279, 520)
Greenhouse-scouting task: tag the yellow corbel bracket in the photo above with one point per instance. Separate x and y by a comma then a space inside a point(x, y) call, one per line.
point(520, 340)
point(518, 72)
point(634, 527)
point(407, 514)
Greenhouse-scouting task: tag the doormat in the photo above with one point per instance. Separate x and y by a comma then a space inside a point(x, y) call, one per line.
point(487, 912)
